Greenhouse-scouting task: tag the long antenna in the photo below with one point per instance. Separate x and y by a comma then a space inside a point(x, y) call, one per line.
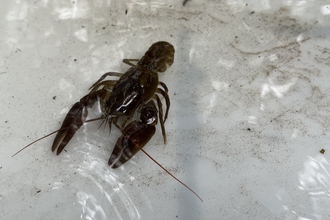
point(47, 135)
point(38, 140)
point(171, 174)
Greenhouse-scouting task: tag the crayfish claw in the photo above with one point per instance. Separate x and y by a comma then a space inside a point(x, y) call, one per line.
point(135, 136)
point(72, 122)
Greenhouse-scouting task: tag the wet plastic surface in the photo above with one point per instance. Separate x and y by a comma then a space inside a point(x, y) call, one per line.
point(249, 113)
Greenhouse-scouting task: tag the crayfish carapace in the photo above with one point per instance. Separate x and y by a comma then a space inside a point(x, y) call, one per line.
point(135, 91)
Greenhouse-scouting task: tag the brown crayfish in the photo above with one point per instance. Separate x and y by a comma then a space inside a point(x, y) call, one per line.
point(135, 91)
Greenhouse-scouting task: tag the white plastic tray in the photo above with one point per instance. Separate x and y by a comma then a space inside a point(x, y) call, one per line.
point(249, 114)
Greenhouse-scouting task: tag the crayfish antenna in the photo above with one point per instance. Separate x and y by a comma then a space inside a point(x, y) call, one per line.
point(47, 135)
point(37, 141)
point(104, 120)
point(171, 174)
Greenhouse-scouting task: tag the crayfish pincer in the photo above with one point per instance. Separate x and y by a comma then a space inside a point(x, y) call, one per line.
point(134, 93)
point(135, 135)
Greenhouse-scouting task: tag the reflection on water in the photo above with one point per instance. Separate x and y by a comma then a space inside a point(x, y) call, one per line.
point(110, 198)
point(90, 207)
point(315, 180)
point(278, 90)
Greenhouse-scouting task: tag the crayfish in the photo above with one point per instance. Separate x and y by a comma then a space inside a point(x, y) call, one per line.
point(134, 92)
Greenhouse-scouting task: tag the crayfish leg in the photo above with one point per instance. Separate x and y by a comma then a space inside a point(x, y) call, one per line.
point(129, 62)
point(161, 119)
point(104, 76)
point(108, 84)
point(167, 100)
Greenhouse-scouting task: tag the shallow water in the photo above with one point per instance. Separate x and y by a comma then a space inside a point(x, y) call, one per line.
point(248, 119)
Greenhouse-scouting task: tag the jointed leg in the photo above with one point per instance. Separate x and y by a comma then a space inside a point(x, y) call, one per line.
point(164, 86)
point(108, 84)
point(105, 75)
point(160, 110)
point(167, 100)
point(128, 61)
